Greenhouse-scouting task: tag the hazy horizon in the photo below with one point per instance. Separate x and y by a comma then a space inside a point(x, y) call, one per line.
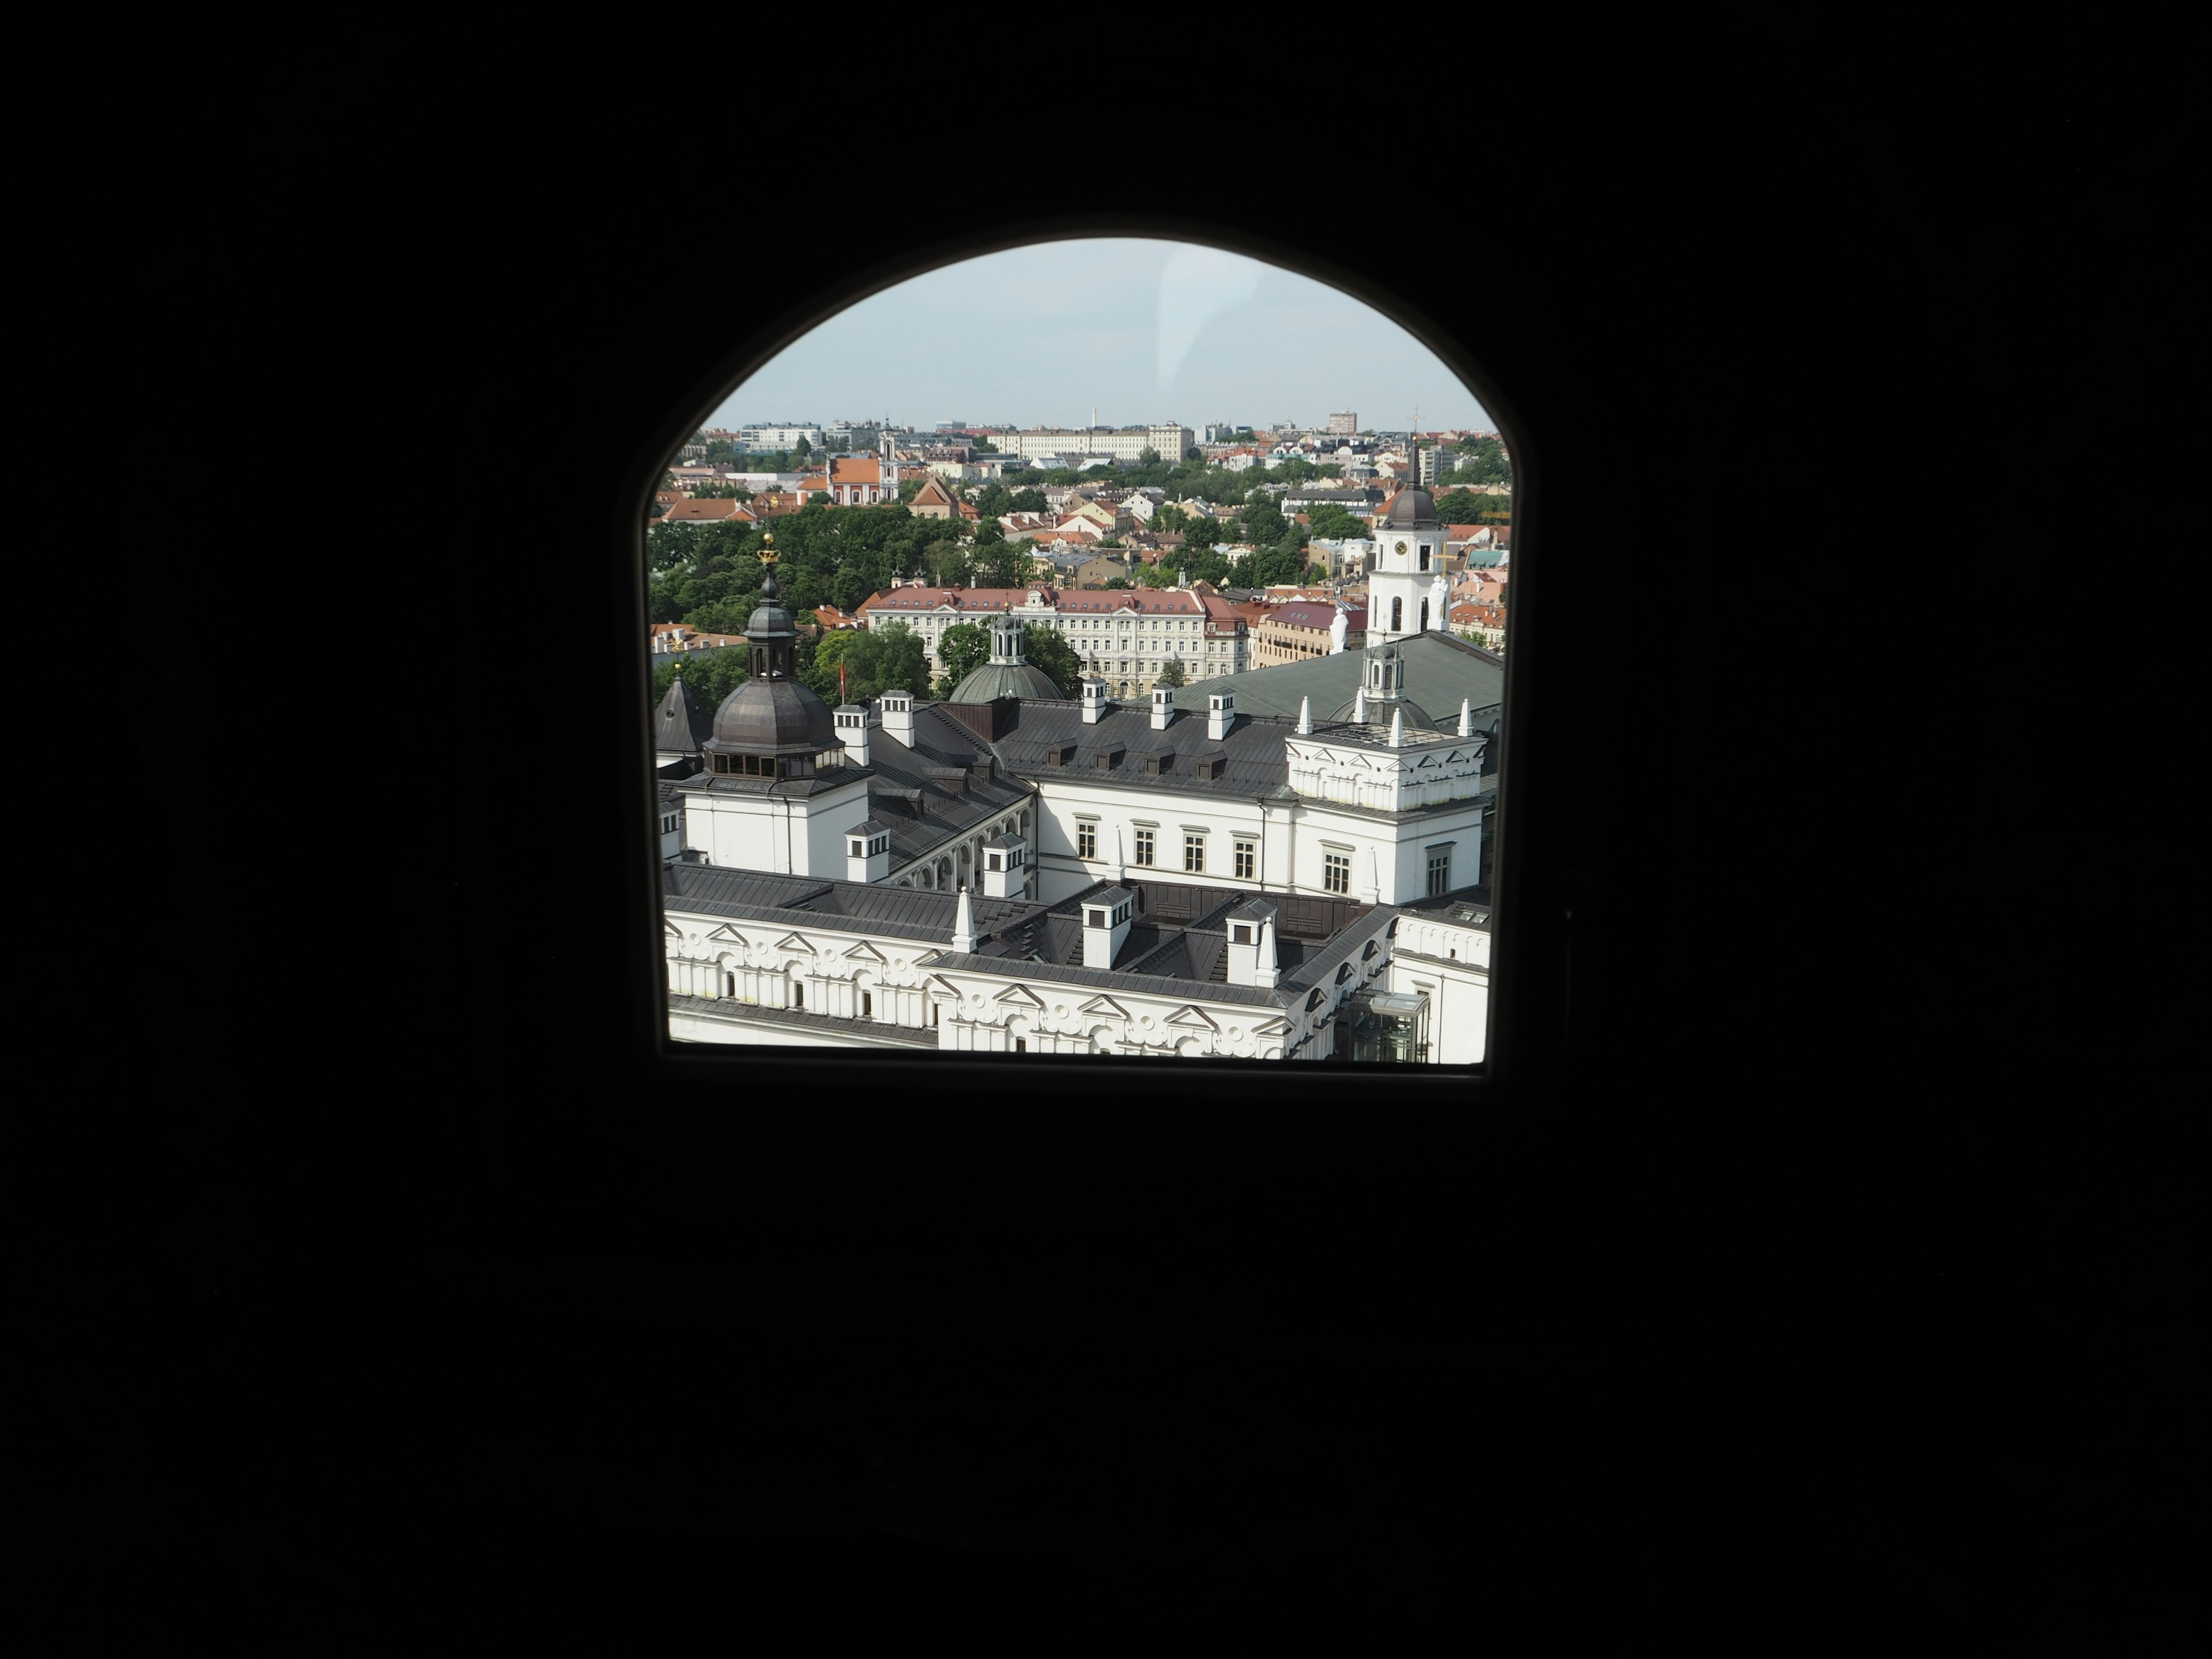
point(1140, 330)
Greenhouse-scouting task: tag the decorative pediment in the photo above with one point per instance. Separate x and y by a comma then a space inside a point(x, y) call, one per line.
point(726, 934)
point(1021, 995)
point(1190, 1016)
point(938, 985)
point(864, 951)
point(671, 929)
point(1104, 1006)
point(797, 942)
point(1267, 1028)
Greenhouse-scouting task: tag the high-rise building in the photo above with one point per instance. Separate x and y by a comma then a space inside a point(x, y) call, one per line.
point(1343, 423)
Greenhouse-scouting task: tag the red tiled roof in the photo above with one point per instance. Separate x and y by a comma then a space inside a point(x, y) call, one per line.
point(692, 512)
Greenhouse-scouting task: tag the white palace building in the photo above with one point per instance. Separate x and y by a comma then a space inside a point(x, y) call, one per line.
point(1013, 871)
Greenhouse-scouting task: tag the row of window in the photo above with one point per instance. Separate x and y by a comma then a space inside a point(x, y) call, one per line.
point(1336, 867)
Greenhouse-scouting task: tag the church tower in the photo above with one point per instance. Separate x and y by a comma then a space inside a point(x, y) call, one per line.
point(780, 788)
point(1409, 556)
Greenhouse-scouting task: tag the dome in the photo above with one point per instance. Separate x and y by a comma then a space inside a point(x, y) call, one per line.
point(778, 716)
point(1008, 672)
point(1412, 509)
point(771, 618)
point(1379, 710)
point(993, 680)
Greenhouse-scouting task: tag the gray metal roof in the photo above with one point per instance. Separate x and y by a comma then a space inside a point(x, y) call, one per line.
point(920, 794)
point(898, 912)
point(681, 723)
point(1440, 669)
point(1253, 750)
point(1114, 979)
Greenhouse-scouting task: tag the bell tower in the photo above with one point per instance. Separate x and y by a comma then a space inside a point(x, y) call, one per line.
point(1409, 556)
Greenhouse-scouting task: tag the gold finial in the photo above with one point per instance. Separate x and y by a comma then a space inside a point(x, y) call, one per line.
point(768, 553)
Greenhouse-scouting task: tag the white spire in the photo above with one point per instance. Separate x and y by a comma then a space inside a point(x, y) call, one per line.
point(1373, 893)
point(1305, 717)
point(1466, 717)
point(1397, 728)
point(1359, 705)
point(963, 924)
point(1113, 873)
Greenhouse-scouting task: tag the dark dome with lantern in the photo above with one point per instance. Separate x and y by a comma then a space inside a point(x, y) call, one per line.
point(771, 712)
point(1412, 509)
point(773, 716)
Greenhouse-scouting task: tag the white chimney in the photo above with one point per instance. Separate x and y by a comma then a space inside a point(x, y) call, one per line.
point(1163, 707)
point(1466, 717)
point(963, 923)
point(852, 722)
point(1220, 713)
point(867, 852)
point(898, 715)
point(1005, 861)
point(1305, 717)
point(1251, 945)
point(1106, 925)
point(1094, 700)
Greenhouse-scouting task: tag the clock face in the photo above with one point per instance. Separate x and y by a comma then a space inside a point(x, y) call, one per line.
point(1402, 547)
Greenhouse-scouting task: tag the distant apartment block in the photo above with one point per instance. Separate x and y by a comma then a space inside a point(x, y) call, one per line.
point(1127, 444)
point(1343, 423)
point(778, 437)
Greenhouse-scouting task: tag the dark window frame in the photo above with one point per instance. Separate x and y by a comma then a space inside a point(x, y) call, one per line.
point(838, 289)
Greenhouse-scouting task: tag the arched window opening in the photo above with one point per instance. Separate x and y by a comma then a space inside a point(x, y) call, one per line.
point(1291, 511)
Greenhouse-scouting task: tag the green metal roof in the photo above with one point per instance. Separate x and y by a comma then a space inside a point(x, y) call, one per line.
point(1440, 671)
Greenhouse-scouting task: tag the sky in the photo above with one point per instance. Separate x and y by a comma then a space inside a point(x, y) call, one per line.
point(1141, 331)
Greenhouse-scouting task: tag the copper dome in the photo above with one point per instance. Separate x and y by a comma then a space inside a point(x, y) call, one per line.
point(773, 716)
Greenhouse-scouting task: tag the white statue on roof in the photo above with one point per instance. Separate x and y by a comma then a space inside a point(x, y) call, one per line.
point(1337, 627)
point(1440, 604)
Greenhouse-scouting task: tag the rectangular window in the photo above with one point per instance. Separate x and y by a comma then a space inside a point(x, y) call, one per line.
point(1193, 854)
point(1440, 873)
point(1336, 871)
point(1248, 859)
point(1144, 847)
point(1086, 840)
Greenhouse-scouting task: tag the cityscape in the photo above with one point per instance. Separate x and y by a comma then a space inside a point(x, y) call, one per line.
point(1155, 739)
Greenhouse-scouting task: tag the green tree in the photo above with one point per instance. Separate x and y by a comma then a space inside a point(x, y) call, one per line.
point(1148, 456)
point(963, 648)
point(1263, 521)
point(1047, 649)
point(1003, 563)
point(711, 675)
point(908, 488)
point(892, 658)
point(1462, 507)
point(1026, 501)
point(983, 445)
point(1171, 672)
point(802, 450)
